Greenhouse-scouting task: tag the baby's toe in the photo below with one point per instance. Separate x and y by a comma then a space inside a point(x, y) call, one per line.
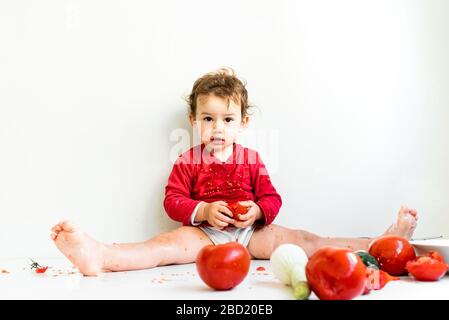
point(412, 215)
point(68, 226)
point(402, 210)
point(56, 228)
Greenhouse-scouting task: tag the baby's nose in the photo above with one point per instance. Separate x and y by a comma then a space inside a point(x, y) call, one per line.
point(218, 125)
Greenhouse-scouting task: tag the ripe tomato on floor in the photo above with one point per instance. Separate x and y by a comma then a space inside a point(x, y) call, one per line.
point(336, 274)
point(392, 253)
point(223, 266)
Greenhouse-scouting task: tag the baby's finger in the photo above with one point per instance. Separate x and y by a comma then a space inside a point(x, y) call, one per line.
point(239, 224)
point(220, 224)
point(225, 210)
point(222, 203)
point(244, 217)
point(242, 224)
point(224, 218)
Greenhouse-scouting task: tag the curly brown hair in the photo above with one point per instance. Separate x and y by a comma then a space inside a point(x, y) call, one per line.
point(224, 84)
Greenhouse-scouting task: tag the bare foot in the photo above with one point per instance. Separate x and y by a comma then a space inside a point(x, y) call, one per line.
point(84, 252)
point(405, 224)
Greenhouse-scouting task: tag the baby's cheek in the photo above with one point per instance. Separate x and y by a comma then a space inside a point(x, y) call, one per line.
point(205, 134)
point(232, 131)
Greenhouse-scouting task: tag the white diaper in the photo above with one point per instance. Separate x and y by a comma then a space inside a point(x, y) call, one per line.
point(229, 234)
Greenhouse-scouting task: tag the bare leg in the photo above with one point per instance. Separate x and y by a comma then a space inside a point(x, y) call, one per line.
point(92, 257)
point(265, 240)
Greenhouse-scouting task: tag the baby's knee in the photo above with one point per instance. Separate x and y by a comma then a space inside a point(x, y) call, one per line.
point(164, 239)
point(306, 237)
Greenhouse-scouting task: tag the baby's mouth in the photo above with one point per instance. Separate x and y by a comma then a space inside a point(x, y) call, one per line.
point(217, 140)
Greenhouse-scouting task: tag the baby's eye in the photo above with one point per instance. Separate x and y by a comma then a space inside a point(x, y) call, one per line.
point(207, 119)
point(229, 119)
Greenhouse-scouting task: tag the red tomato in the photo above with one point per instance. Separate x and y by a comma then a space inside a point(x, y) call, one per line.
point(427, 268)
point(223, 266)
point(377, 279)
point(392, 253)
point(236, 209)
point(336, 274)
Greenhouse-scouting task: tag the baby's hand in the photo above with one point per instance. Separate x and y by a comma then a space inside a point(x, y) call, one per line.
point(254, 213)
point(216, 213)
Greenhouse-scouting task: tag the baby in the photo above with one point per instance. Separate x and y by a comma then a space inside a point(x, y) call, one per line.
point(203, 182)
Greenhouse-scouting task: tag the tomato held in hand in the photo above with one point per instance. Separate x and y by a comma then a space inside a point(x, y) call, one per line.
point(427, 268)
point(336, 274)
point(223, 266)
point(236, 209)
point(392, 253)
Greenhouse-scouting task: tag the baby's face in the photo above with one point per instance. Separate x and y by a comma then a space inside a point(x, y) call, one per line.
point(217, 123)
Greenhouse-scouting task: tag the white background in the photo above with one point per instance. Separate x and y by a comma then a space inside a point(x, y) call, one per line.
point(352, 118)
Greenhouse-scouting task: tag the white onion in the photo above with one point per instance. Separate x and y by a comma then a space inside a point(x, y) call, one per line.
point(284, 259)
point(288, 263)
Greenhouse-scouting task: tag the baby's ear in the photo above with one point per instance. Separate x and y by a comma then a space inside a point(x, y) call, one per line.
point(245, 122)
point(192, 119)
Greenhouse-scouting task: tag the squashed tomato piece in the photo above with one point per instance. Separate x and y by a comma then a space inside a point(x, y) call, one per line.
point(377, 279)
point(41, 270)
point(37, 267)
point(237, 209)
point(430, 267)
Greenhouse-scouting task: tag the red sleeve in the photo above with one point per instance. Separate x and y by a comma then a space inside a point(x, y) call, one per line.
point(178, 202)
point(265, 195)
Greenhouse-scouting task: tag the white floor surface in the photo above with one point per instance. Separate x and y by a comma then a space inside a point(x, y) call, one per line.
point(178, 282)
